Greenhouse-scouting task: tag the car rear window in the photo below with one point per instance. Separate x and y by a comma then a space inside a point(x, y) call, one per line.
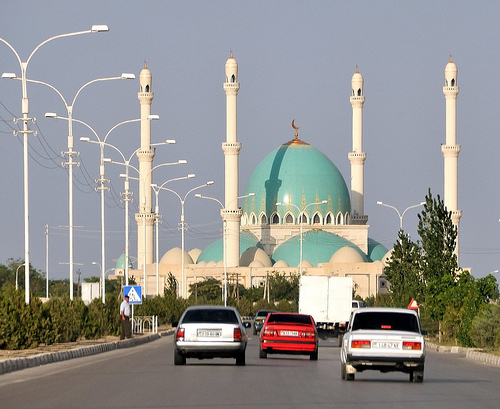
point(386, 320)
point(210, 315)
point(263, 313)
point(289, 318)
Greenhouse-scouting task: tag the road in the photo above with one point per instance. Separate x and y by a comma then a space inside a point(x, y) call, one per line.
point(145, 377)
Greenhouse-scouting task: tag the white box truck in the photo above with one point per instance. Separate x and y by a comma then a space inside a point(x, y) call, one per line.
point(329, 301)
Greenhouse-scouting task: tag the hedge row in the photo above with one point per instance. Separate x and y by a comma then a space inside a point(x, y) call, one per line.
point(58, 320)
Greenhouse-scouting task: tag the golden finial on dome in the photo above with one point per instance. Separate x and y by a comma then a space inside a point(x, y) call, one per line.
point(296, 129)
point(357, 68)
point(145, 64)
point(451, 58)
point(231, 53)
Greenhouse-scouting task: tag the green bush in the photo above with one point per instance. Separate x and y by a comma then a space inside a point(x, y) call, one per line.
point(486, 327)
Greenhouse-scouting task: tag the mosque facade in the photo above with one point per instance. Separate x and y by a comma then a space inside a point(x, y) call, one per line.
point(296, 214)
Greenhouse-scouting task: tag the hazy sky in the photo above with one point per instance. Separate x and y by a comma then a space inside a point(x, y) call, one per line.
point(296, 60)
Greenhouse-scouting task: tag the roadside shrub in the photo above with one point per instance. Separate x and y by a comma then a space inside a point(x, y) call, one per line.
point(65, 320)
point(19, 326)
point(486, 327)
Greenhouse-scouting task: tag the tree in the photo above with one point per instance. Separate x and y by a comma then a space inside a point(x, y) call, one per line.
point(284, 287)
point(170, 285)
point(404, 273)
point(439, 264)
point(208, 290)
point(438, 237)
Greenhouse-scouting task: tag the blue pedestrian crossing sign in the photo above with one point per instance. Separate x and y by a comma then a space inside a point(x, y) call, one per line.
point(134, 293)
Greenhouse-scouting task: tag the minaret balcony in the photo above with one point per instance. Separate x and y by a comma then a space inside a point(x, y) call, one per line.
point(231, 147)
point(450, 150)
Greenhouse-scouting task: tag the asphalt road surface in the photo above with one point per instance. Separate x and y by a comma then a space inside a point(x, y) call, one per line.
point(145, 377)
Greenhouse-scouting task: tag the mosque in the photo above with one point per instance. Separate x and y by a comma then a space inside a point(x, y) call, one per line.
point(297, 214)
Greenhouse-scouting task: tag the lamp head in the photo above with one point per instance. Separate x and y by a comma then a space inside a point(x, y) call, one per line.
point(153, 117)
point(170, 141)
point(127, 76)
point(9, 75)
point(50, 115)
point(191, 175)
point(99, 28)
point(84, 139)
point(182, 161)
point(211, 182)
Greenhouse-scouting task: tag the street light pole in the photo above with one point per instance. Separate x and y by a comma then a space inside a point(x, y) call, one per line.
point(127, 193)
point(25, 119)
point(156, 189)
point(183, 200)
point(224, 291)
point(102, 180)
point(400, 215)
point(70, 163)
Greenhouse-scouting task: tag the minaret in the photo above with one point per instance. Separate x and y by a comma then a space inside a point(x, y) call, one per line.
point(357, 157)
point(451, 150)
point(231, 214)
point(145, 155)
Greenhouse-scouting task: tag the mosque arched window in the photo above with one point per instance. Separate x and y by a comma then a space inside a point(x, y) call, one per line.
point(275, 219)
point(329, 219)
point(316, 219)
point(253, 219)
point(453, 82)
point(289, 218)
point(233, 78)
point(303, 219)
point(147, 88)
point(263, 219)
point(347, 218)
point(359, 92)
point(339, 219)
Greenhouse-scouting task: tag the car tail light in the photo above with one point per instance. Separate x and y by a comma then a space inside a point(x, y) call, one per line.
point(412, 345)
point(309, 334)
point(180, 334)
point(237, 334)
point(360, 344)
point(266, 332)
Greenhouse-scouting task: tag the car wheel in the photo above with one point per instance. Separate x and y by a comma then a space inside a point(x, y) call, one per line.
point(240, 358)
point(262, 354)
point(179, 359)
point(342, 370)
point(417, 376)
point(314, 355)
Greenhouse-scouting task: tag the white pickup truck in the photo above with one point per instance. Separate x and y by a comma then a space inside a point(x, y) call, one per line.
point(383, 339)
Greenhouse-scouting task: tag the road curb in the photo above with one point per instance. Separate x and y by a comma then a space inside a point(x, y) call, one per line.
point(16, 364)
point(470, 353)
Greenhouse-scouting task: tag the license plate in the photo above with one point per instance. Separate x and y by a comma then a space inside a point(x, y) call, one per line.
point(289, 333)
point(385, 345)
point(209, 333)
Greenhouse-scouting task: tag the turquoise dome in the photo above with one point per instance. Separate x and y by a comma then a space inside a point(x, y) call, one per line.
point(120, 263)
point(213, 252)
point(318, 246)
point(300, 174)
point(376, 251)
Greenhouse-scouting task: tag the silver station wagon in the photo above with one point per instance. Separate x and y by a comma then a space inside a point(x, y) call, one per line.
point(210, 332)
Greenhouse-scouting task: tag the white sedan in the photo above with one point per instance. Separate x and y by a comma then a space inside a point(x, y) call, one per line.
point(383, 339)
